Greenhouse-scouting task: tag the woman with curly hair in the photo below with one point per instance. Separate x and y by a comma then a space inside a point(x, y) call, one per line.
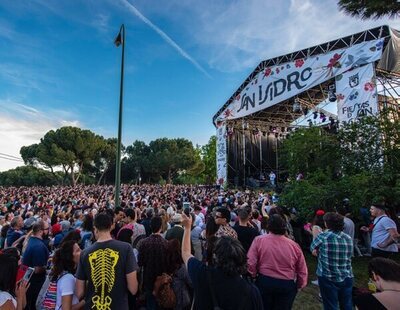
point(221, 285)
point(65, 261)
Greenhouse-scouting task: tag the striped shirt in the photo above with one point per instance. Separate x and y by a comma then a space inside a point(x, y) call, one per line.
point(334, 255)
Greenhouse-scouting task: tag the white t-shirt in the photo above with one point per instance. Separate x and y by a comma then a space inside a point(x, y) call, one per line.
point(380, 233)
point(66, 286)
point(199, 220)
point(4, 296)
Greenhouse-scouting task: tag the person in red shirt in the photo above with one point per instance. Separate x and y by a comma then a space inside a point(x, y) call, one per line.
point(278, 265)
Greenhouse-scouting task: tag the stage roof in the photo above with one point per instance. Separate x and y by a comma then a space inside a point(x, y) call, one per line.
point(281, 114)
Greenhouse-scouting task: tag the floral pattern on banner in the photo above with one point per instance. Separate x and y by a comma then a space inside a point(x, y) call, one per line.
point(280, 82)
point(357, 91)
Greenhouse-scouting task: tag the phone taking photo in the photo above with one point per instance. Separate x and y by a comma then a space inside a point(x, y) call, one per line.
point(28, 274)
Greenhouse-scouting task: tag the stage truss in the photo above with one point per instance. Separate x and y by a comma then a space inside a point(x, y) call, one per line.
point(281, 118)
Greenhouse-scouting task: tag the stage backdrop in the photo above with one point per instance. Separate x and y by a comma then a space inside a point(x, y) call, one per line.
point(281, 82)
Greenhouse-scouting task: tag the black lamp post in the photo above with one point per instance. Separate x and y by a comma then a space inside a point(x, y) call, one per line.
point(120, 39)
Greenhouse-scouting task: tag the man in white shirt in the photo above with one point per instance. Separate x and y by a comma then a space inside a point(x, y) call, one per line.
point(199, 219)
point(384, 233)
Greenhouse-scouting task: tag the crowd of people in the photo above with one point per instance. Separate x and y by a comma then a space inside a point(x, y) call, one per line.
point(185, 247)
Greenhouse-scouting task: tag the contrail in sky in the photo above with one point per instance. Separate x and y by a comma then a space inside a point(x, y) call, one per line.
point(171, 42)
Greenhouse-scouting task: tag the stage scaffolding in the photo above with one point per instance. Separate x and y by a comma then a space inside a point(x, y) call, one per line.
point(253, 141)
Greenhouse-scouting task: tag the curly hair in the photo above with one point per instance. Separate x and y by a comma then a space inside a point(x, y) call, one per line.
point(230, 256)
point(73, 235)
point(63, 259)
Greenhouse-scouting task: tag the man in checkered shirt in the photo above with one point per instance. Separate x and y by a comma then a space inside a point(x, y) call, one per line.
point(335, 276)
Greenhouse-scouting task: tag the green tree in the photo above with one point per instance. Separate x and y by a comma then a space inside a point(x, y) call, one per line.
point(106, 157)
point(361, 146)
point(169, 156)
point(308, 150)
point(28, 176)
point(370, 8)
point(208, 157)
point(68, 147)
point(137, 163)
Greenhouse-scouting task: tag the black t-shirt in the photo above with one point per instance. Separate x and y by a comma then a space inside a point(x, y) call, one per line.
point(246, 235)
point(231, 292)
point(104, 265)
point(368, 302)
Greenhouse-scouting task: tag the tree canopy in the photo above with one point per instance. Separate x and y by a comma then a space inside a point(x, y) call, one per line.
point(370, 9)
point(69, 147)
point(360, 162)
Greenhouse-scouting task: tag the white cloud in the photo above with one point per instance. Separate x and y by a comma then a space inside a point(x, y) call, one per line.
point(236, 36)
point(22, 125)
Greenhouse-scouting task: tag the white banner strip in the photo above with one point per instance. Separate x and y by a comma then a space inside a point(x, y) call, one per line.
point(356, 94)
point(221, 154)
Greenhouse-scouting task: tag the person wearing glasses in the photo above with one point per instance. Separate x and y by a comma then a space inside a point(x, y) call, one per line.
point(36, 256)
point(222, 218)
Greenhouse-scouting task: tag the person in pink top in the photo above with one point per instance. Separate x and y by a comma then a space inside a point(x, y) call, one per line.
point(278, 265)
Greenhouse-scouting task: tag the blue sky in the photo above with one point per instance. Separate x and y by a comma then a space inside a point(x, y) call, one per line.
point(184, 59)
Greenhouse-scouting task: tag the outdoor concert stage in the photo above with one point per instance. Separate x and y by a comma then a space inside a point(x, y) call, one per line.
point(324, 85)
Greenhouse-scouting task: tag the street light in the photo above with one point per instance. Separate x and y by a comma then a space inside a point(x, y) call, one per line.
point(120, 39)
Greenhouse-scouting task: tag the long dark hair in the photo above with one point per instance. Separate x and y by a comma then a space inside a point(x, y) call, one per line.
point(8, 273)
point(211, 227)
point(174, 257)
point(63, 259)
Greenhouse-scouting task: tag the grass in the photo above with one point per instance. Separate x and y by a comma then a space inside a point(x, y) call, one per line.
point(308, 297)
